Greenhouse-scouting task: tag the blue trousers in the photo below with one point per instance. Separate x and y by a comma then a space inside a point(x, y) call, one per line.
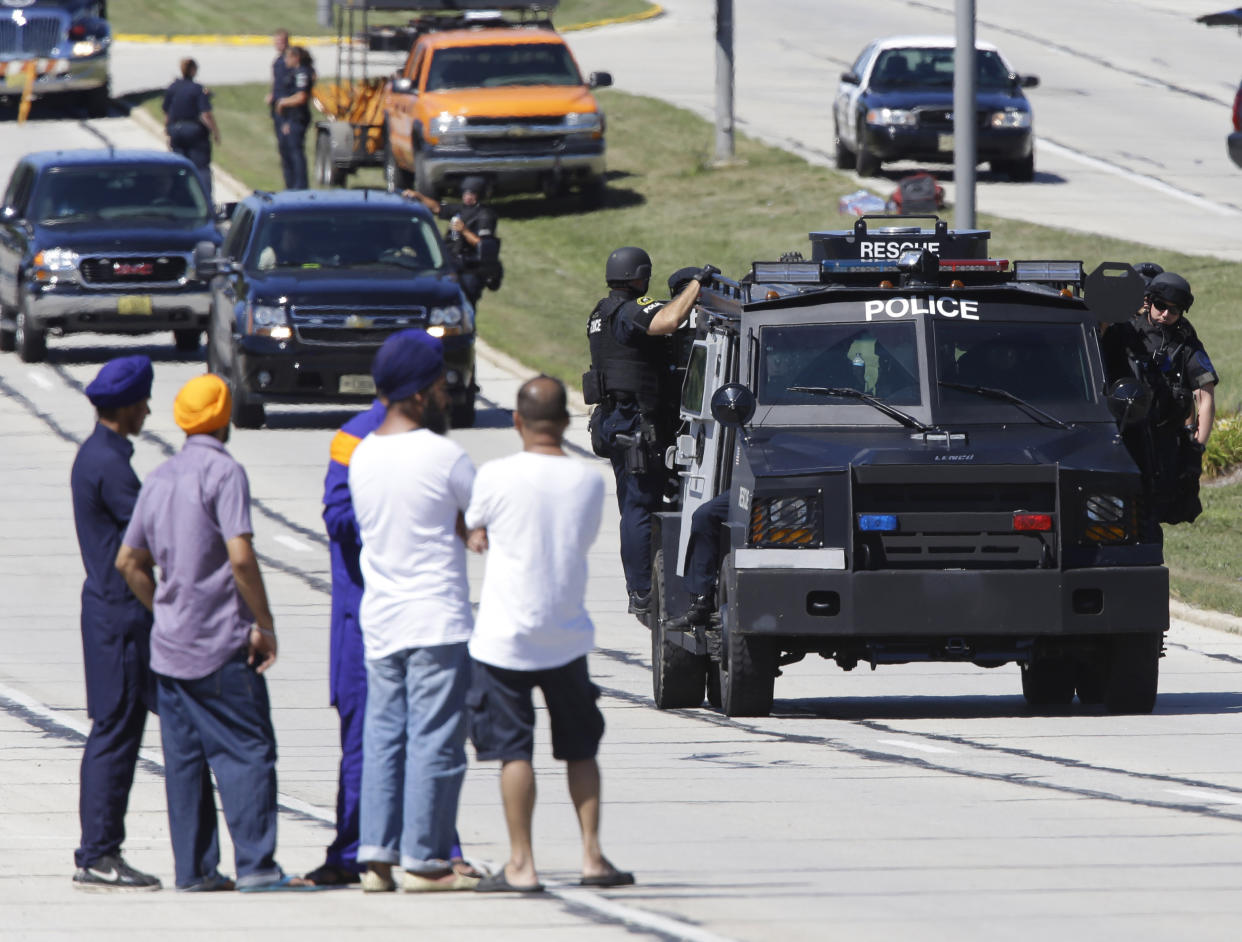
point(703, 550)
point(292, 145)
point(220, 724)
point(638, 497)
point(108, 762)
point(351, 706)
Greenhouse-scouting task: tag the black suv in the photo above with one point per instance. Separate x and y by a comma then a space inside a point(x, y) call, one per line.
point(308, 284)
point(102, 241)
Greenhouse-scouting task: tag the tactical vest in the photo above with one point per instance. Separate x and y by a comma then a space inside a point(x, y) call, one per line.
point(628, 373)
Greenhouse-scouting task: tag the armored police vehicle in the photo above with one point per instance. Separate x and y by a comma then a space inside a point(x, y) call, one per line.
point(922, 463)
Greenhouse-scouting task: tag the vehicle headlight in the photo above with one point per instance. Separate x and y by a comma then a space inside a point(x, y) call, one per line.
point(446, 128)
point(1107, 518)
point(1011, 118)
point(892, 117)
point(585, 122)
point(451, 319)
point(57, 260)
point(786, 521)
point(86, 47)
point(268, 320)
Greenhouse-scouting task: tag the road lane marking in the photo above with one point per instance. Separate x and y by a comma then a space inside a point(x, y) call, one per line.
point(635, 917)
point(1212, 797)
point(915, 746)
point(38, 379)
point(292, 543)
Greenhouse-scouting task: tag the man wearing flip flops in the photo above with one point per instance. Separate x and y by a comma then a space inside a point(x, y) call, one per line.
point(537, 513)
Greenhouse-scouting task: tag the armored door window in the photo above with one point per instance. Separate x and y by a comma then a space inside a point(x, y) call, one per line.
point(695, 382)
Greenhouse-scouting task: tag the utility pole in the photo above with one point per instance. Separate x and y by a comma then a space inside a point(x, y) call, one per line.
point(323, 9)
point(724, 81)
point(964, 118)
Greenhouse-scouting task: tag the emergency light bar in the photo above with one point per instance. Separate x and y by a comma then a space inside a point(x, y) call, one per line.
point(1049, 271)
point(787, 272)
point(974, 264)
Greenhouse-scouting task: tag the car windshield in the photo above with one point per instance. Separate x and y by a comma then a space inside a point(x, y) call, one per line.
point(490, 66)
point(933, 68)
point(1040, 363)
point(119, 193)
point(877, 359)
point(345, 239)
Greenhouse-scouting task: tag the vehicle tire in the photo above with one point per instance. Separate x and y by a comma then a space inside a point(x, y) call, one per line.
point(8, 341)
point(187, 339)
point(747, 668)
point(396, 177)
point(98, 102)
point(1022, 170)
point(713, 684)
point(246, 414)
point(422, 178)
point(327, 173)
point(867, 163)
point(678, 678)
point(1048, 682)
point(845, 156)
point(462, 411)
point(1089, 679)
point(593, 192)
point(29, 341)
point(1133, 673)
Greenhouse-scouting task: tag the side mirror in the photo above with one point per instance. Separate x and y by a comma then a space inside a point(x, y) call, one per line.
point(403, 85)
point(1128, 401)
point(600, 79)
point(207, 261)
point(1029, 81)
point(733, 404)
point(224, 212)
point(850, 77)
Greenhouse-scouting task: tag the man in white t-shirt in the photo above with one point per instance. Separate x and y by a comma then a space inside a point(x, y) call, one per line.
point(537, 512)
point(409, 485)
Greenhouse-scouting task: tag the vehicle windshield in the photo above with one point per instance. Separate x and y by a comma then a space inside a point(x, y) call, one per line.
point(491, 66)
point(877, 359)
point(1040, 363)
point(325, 239)
point(119, 193)
point(933, 68)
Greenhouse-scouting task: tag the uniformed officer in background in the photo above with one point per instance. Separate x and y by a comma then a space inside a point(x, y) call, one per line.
point(293, 116)
point(1159, 347)
point(632, 383)
point(116, 627)
point(280, 42)
point(189, 123)
point(471, 236)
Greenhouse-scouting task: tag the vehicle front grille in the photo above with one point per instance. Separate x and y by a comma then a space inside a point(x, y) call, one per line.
point(536, 121)
point(955, 526)
point(38, 36)
point(133, 270)
point(941, 119)
point(501, 146)
point(357, 327)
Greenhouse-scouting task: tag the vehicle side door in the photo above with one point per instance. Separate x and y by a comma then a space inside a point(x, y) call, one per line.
point(15, 231)
point(846, 103)
point(228, 289)
point(701, 453)
point(402, 109)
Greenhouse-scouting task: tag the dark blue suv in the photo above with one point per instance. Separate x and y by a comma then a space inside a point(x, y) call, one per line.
point(102, 241)
point(309, 283)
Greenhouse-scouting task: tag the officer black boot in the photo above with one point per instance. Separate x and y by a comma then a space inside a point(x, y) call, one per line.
point(640, 605)
point(699, 613)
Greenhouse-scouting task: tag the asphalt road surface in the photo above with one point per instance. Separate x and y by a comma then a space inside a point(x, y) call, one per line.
point(912, 802)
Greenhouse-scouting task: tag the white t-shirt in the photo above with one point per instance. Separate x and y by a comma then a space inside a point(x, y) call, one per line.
point(407, 490)
point(542, 514)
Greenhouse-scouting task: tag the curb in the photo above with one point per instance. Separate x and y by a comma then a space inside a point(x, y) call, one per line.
point(1205, 618)
point(222, 39)
point(577, 406)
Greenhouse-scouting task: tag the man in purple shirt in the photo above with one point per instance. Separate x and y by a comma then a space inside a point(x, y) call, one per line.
point(212, 640)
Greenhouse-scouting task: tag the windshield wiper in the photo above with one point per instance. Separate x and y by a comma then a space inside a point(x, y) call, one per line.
point(991, 392)
point(845, 392)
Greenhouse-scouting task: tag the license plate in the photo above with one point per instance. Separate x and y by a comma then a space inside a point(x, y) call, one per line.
point(357, 384)
point(944, 143)
point(133, 304)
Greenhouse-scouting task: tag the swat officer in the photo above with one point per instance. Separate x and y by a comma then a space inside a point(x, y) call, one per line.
point(1159, 347)
point(471, 236)
point(116, 628)
point(632, 376)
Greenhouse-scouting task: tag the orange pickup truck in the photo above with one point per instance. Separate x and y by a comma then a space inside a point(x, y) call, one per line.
point(499, 98)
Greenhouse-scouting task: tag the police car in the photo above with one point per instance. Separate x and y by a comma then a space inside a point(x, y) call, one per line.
point(922, 463)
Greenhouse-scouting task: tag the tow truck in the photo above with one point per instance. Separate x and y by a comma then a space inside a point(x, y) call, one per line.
point(923, 463)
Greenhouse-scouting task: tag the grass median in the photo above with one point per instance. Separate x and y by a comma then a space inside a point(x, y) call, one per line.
point(664, 194)
point(235, 17)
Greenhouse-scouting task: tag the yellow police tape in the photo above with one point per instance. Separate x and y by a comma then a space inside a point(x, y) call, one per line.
point(216, 39)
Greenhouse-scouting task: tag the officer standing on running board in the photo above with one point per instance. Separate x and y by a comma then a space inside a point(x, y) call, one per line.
point(631, 378)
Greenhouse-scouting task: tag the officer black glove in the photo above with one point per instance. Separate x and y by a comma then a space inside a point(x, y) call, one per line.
point(705, 274)
point(678, 281)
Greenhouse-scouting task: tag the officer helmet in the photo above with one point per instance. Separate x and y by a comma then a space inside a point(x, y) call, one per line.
point(1171, 289)
point(1148, 270)
point(473, 184)
point(628, 263)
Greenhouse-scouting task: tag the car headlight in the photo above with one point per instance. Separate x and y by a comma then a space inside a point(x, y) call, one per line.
point(585, 122)
point(892, 117)
point(268, 320)
point(56, 260)
point(86, 47)
point(1011, 118)
point(447, 128)
point(786, 521)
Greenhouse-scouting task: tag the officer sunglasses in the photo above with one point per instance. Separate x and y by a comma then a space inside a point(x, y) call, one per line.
point(1166, 307)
